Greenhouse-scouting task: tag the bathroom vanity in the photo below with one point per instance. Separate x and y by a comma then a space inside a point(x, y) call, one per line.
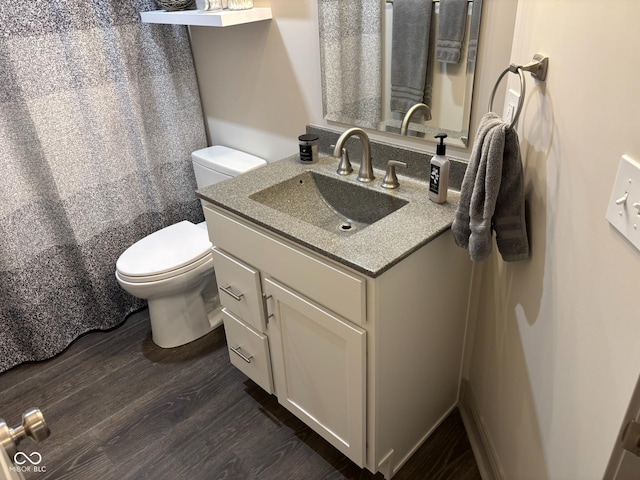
point(360, 334)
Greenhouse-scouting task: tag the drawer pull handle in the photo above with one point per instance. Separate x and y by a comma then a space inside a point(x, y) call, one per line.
point(228, 291)
point(238, 351)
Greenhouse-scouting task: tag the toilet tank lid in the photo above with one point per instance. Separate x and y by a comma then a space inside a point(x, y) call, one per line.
point(226, 160)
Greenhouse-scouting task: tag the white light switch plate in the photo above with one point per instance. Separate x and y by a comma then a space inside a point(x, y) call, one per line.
point(623, 211)
point(510, 106)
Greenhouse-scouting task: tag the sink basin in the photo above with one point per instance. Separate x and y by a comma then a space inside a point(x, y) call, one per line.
point(329, 203)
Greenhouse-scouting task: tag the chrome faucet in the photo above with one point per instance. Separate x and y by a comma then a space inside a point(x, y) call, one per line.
point(409, 114)
point(366, 169)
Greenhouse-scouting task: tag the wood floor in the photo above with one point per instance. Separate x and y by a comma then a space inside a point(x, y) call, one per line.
point(119, 407)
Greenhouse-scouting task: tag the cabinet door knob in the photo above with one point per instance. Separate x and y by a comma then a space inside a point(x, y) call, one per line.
point(238, 351)
point(228, 291)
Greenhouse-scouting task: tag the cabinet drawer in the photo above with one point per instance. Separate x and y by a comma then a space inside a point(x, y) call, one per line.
point(248, 351)
point(239, 286)
point(316, 278)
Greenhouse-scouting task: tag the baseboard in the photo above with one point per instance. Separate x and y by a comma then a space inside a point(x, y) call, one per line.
point(420, 442)
point(481, 443)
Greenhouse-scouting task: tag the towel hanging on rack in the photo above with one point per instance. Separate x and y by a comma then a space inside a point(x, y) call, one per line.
point(452, 23)
point(492, 195)
point(474, 32)
point(410, 64)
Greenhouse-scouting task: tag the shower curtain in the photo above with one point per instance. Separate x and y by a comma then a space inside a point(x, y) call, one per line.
point(351, 61)
point(98, 116)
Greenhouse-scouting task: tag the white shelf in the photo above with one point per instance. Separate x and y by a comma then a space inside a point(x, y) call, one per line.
point(225, 18)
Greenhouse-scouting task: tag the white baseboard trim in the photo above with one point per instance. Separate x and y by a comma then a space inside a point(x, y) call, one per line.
point(481, 443)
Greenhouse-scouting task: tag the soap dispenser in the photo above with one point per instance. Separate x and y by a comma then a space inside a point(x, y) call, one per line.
point(439, 172)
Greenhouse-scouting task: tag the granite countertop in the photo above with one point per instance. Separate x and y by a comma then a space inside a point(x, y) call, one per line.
point(371, 250)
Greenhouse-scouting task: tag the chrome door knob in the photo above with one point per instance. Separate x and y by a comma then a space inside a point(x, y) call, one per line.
point(33, 426)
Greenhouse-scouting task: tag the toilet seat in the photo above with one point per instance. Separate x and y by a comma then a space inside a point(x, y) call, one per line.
point(169, 252)
point(166, 275)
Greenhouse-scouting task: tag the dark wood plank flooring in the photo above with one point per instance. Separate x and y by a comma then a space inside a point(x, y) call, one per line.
point(119, 407)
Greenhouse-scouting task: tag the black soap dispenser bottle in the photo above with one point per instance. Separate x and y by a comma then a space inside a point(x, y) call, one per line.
point(439, 172)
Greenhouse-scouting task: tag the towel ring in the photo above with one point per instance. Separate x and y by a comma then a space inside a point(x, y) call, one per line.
point(538, 69)
point(523, 87)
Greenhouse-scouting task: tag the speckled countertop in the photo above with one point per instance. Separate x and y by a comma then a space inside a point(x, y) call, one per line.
point(371, 250)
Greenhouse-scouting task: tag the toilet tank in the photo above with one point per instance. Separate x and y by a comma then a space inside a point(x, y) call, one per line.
point(215, 164)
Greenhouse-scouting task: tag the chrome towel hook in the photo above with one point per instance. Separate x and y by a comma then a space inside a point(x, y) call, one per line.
point(538, 69)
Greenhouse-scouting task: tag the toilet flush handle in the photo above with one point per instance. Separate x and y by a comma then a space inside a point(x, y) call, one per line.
point(228, 291)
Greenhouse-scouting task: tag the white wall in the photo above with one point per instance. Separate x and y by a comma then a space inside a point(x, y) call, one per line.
point(556, 354)
point(260, 82)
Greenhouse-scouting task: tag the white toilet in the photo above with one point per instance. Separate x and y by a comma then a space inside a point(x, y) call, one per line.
point(173, 267)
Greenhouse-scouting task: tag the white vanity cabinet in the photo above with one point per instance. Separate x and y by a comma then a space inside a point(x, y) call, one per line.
point(371, 364)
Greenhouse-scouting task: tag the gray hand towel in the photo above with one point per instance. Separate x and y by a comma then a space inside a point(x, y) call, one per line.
point(474, 32)
point(410, 83)
point(509, 217)
point(485, 194)
point(492, 195)
point(451, 29)
point(461, 224)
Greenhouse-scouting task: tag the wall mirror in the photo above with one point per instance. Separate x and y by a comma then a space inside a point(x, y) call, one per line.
point(375, 53)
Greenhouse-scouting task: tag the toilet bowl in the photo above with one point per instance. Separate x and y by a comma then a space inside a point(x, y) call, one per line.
point(173, 268)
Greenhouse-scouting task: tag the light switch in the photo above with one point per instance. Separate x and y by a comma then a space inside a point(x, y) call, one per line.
point(510, 106)
point(623, 211)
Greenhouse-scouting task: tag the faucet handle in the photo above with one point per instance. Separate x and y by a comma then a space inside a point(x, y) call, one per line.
point(344, 167)
point(390, 179)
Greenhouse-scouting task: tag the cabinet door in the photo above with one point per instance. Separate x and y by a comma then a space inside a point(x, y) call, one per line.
point(318, 362)
point(239, 286)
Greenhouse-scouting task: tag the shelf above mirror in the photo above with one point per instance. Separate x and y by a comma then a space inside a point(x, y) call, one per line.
point(225, 18)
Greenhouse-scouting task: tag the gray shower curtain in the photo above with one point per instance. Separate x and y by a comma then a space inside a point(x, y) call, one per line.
point(98, 116)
